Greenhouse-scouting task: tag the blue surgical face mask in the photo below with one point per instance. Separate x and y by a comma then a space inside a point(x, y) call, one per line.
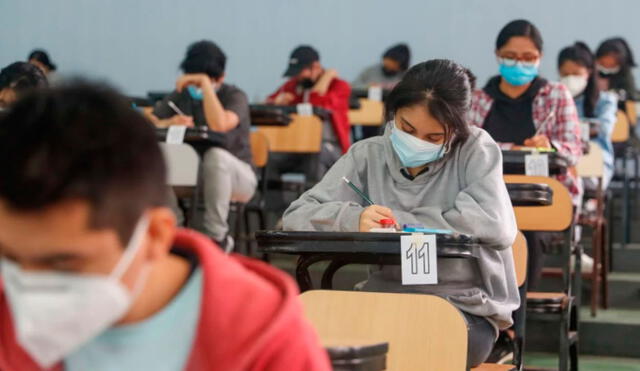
point(518, 73)
point(414, 152)
point(196, 93)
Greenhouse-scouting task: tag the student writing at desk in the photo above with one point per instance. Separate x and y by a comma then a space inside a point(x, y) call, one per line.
point(94, 273)
point(17, 79)
point(431, 168)
point(310, 82)
point(614, 62)
point(206, 100)
point(395, 62)
point(577, 68)
point(522, 108)
point(40, 58)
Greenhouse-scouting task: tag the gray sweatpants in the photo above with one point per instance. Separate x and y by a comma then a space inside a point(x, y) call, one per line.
point(225, 179)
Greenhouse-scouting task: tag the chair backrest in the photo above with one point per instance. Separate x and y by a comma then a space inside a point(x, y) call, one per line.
point(592, 164)
point(553, 218)
point(259, 149)
point(302, 135)
point(520, 256)
point(424, 332)
point(632, 113)
point(370, 113)
point(620, 132)
point(182, 164)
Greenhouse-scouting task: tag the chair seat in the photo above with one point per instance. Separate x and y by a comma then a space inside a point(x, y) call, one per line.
point(493, 367)
point(546, 302)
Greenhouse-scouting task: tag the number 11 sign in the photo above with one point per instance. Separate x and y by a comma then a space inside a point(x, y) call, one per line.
point(418, 258)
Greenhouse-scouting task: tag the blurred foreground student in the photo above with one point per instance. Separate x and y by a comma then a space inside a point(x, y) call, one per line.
point(395, 62)
point(431, 168)
point(202, 98)
point(17, 79)
point(94, 274)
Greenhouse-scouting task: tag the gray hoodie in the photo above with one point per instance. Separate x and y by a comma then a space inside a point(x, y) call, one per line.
point(464, 192)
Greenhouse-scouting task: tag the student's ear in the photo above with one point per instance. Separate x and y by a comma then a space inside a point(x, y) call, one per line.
point(161, 232)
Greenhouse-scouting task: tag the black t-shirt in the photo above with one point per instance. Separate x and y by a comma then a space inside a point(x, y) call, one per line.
point(510, 120)
point(232, 99)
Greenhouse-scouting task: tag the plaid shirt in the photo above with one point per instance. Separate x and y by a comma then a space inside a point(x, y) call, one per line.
point(555, 116)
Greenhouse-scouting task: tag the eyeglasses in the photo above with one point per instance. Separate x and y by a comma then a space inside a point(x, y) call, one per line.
point(525, 62)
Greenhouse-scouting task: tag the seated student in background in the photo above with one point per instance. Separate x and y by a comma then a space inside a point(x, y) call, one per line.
point(40, 59)
point(18, 78)
point(95, 275)
point(395, 62)
point(614, 61)
point(577, 68)
point(522, 108)
point(206, 100)
point(310, 82)
point(431, 168)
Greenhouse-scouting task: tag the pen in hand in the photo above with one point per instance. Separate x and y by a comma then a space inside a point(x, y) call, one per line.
point(359, 192)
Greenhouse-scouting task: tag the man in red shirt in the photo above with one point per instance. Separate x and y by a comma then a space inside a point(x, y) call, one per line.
point(94, 274)
point(311, 83)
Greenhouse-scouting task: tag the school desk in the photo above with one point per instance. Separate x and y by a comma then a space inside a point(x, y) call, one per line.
point(343, 248)
point(513, 162)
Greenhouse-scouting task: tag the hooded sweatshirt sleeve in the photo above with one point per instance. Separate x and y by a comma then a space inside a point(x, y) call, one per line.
point(330, 205)
point(482, 208)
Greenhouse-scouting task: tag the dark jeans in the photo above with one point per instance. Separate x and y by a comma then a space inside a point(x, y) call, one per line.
point(481, 337)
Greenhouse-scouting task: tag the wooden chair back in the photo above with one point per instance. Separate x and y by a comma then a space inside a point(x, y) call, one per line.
point(424, 332)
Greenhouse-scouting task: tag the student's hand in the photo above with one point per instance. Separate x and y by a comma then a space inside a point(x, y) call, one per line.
point(283, 99)
point(330, 74)
point(538, 141)
point(199, 80)
point(180, 120)
point(372, 215)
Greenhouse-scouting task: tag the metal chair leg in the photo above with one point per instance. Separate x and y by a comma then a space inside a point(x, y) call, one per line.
point(625, 203)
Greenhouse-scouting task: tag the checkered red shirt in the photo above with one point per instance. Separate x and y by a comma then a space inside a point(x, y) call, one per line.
point(555, 111)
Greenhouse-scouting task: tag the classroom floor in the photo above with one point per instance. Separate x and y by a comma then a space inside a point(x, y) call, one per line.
point(587, 363)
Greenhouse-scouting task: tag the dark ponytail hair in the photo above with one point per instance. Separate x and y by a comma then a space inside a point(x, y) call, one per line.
point(618, 47)
point(580, 53)
point(443, 87)
point(519, 27)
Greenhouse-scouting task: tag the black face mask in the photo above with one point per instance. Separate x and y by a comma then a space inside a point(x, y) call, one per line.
point(389, 73)
point(305, 83)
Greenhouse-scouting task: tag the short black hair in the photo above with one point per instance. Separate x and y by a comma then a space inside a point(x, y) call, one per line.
point(580, 53)
point(81, 142)
point(401, 54)
point(443, 86)
point(204, 57)
point(618, 47)
point(519, 27)
point(22, 76)
point(42, 56)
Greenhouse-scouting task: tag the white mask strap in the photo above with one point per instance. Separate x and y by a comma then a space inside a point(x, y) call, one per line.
point(132, 247)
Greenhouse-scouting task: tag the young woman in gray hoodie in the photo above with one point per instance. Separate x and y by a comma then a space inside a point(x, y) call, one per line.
point(431, 168)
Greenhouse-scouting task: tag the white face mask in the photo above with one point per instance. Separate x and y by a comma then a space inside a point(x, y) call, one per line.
point(55, 313)
point(575, 83)
point(608, 71)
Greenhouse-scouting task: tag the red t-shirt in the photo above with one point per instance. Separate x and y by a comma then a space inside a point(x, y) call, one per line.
point(336, 100)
